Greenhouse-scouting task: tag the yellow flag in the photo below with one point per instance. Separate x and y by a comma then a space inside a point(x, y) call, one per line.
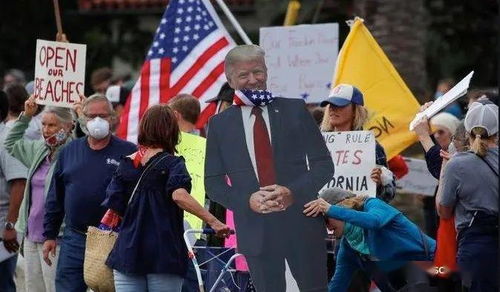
point(390, 103)
point(192, 148)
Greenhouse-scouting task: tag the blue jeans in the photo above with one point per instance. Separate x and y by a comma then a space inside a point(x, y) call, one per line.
point(7, 269)
point(69, 273)
point(149, 282)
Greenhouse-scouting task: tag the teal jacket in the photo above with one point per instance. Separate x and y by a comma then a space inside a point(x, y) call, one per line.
point(392, 239)
point(31, 153)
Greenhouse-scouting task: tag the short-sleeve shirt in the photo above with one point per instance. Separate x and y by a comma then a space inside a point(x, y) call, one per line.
point(10, 169)
point(470, 185)
point(151, 233)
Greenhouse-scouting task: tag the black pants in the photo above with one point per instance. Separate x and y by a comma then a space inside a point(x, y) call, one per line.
point(306, 258)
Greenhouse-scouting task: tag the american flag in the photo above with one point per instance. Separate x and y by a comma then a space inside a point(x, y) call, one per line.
point(187, 56)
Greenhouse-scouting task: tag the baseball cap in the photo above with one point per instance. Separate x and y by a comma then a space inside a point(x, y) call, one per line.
point(344, 94)
point(226, 93)
point(335, 195)
point(482, 116)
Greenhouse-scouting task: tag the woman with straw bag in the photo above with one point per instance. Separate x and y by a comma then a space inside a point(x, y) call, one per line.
point(150, 254)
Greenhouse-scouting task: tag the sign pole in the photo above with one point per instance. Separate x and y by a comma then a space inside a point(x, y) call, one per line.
point(58, 17)
point(233, 21)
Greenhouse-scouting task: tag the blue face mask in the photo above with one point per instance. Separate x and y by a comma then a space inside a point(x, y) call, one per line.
point(438, 94)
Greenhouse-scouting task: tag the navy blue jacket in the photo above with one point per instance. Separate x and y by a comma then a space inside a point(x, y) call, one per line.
point(151, 233)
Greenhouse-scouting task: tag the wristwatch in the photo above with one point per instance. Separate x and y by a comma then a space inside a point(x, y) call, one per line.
point(9, 226)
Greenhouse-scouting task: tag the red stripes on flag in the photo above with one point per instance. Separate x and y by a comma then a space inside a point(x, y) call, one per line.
point(198, 65)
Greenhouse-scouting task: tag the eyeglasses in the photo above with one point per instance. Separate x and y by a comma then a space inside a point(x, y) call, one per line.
point(91, 117)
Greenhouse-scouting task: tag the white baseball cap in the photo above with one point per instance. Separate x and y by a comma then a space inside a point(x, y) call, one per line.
point(482, 116)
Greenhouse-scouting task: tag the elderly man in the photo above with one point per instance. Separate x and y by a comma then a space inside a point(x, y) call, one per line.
point(273, 154)
point(83, 171)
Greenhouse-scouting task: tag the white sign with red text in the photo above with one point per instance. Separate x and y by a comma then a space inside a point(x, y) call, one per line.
point(353, 154)
point(59, 73)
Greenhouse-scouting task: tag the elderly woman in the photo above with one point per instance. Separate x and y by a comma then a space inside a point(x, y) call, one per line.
point(377, 239)
point(434, 135)
point(345, 111)
point(470, 193)
point(39, 157)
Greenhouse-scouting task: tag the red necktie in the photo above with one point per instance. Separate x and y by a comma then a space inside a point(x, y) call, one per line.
point(263, 150)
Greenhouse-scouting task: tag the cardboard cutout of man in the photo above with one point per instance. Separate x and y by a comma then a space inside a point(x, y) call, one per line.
point(277, 161)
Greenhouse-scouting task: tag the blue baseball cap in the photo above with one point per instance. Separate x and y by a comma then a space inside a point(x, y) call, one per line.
point(344, 94)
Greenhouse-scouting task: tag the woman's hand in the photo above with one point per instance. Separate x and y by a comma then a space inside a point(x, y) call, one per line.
point(221, 229)
point(61, 37)
point(78, 106)
point(445, 155)
point(30, 106)
point(376, 175)
point(425, 106)
point(422, 128)
point(316, 207)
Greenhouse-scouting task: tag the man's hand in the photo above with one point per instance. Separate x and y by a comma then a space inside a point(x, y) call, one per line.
point(30, 106)
point(316, 207)
point(49, 247)
point(376, 175)
point(221, 229)
point(10, 240)
point(259, 204)
point(280, 194)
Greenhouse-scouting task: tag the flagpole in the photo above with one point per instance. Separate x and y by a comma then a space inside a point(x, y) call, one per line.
point(234, 22)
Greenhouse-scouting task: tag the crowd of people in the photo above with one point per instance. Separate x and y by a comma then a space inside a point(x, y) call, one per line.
point(62, 170)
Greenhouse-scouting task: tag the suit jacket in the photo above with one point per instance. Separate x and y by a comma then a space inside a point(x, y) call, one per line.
point(294, 136)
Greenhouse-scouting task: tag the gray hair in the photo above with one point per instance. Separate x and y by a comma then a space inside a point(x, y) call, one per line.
point(240, 54)
point(96, 98)
point(63, 114)
point(17, 74)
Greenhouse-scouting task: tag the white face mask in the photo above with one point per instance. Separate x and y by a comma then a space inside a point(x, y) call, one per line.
point(98, 128)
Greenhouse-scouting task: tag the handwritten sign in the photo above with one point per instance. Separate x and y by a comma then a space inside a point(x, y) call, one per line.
point(353, 154)
point(453, 94)
point(418, 180)
point(301, 59)
point(192, 148)
point(59, 73)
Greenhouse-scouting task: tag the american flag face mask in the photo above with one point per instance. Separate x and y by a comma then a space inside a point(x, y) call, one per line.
point(253, 97)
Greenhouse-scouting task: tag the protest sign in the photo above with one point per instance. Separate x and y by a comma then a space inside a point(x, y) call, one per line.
point(418, 180)
point(59, 73)
point(300, 59)
point(453, 94)
point(353, 154)
point(192, 148)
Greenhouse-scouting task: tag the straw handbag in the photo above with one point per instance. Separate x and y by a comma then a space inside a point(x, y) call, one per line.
point(97, 275)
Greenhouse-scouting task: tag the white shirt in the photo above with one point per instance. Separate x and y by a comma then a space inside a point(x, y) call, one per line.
point(248, 122)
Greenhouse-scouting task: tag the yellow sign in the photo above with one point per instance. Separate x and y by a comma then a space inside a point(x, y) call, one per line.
point(192, 148)
point(390, 103)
